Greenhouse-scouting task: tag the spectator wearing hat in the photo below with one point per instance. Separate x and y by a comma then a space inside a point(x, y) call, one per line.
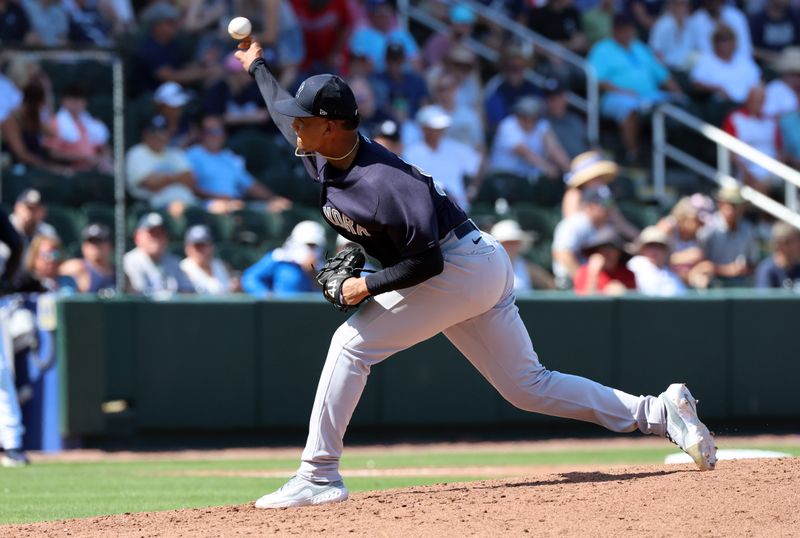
point(461, 64)
point(604, 272)
point(729, 241)
point(404, 89)
point(387, 134)
point(28, 217)
point(516, 242)
point(208, 274)
point(774, 28)
point(593, 169)
point(451, 163)
point(15, 27)
point(632, 79)
point(150, 268)
point(750, 125)
point(221, 176)
point(559, 21)
point(381, 28)
point(650, 265)
point(235, 97)
point(525, 144)
point(573, 232)
point(369, 108)
point(170, 100)
point(466, 125)
point(782, 268)
point(78, 139)
point(43, 262)
point(783, 93)
point(288, 269)
point(326, 24)
point(49, 20)
point(682, 225)
point(507, 87)
point(670, 37)
point(94, 270)
point(568, 128)
point(461, 23)
point(157, 173)
point(715, 13)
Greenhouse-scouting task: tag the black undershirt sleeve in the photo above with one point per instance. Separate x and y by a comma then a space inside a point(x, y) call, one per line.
point(407, 272)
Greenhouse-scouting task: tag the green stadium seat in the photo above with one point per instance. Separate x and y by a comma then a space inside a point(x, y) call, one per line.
point(99, 213)
point(101, 106)
point(503, 185)
point(240, 257)
point(541, 254)
point(251, 226)
point(221, 226)
point(93, 187)
point(542, 220)
point(67, 221)
point(261, 152)
point(638, 213)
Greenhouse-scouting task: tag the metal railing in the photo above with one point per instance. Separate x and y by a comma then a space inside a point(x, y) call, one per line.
point(589, 104)
point(721, 174)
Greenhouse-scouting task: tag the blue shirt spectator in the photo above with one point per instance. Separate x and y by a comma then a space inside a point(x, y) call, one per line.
point(405, 90)
point(782, 268)
point(373, 38)
point(790, 133)
point(507, 87)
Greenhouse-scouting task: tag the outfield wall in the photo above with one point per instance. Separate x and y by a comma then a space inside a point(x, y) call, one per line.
point(132, 365)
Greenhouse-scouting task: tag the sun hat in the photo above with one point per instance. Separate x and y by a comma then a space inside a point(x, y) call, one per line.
point(590, 165)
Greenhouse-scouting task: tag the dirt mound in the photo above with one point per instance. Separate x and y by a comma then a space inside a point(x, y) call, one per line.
point(740, 498)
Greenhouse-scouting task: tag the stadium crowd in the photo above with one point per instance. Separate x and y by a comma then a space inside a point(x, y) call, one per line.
point(217, 204)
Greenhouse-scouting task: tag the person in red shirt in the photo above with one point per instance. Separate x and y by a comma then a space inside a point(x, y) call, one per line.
point(326, 28)
point(604, 272)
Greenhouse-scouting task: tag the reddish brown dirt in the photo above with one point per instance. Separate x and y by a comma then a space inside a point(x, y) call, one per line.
point(740, 498)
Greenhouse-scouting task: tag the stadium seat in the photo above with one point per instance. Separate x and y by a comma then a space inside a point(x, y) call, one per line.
point(639, 214)
point(99, 213)
point(542, 220)
point(541, 254)
point(261, 152)
point(221, 226)
point(240, 257)
point(67, 221)
point(251, 227)
point(92, 187)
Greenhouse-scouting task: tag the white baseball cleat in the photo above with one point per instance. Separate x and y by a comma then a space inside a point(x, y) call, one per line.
point(685, 429)
point(301, 492)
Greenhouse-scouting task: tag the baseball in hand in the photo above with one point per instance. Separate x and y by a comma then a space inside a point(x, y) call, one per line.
point(239, 27)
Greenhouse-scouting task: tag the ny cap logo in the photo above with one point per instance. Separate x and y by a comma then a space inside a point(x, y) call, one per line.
point(322, 112)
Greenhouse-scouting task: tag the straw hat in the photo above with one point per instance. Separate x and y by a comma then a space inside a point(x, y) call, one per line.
point(509, 230)
point(788, 61)
point(731, 194)
point(649, 236)
point(588, 166)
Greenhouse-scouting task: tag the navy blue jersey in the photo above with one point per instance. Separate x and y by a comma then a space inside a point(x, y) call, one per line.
point(384, 204)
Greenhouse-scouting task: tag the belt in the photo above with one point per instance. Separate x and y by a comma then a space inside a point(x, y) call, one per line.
point(465, 228)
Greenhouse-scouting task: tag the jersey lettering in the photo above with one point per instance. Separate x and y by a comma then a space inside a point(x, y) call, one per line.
point(335, 217)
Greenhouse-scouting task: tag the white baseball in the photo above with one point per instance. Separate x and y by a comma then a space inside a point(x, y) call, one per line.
point(239, 27)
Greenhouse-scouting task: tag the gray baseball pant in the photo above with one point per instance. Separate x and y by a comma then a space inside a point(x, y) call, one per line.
point(472, 303)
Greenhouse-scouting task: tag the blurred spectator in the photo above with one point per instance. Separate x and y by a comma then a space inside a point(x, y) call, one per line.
point(235, 97)
point(368, 110)
point(721, 72)
point(387, 134)
point(88, 24)
point(94, 271)
point(650, 265)
point(450, 162)
point(382, 29)
point(157, 173)
point(208, 274)
point(527, 275)
point(671, 38)
point(49, 20)
point(568, 127)
point(15, 28)
point(120, 14)
point(783, 93)
point(713, 13)
point(790, 134)
point(149, 267)
point(559, 21)
point(751, 126)
point(687, 258)
point(525, 144)
point(159, 58)
point(405, 90)
point(170, 100)
point(289, 268)
point(206, 16)
point(592, 169)
point(326, 24)
point(604, 272)
point(28, 217)
point(43, 261)
point(573, 232)
point(276, 27)
point(221, 176)
point(460, 64)
point(729, 241)
point(598, 21)
point(776, 27)
point(632, 79)
point(782, 268)
point(437, 47)
point(76, 138)
point(466, 125)
point(504, 89)
point(645, 13)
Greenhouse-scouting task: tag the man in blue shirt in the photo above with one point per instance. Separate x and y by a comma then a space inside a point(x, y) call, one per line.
point(221, 174)
point(782, 269)
point(382, 30)
point(405, 90)
point(632, 78)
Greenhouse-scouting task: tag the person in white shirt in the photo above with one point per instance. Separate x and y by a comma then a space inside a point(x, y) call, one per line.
point(723, 73)
point(671, 38)
point(783, 94)
point(208, 274)
point(448, 161)
point(704, 21)
point(651, 265)
point(525, 144)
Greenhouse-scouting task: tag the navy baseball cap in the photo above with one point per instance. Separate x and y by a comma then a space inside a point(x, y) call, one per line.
point(322, 96)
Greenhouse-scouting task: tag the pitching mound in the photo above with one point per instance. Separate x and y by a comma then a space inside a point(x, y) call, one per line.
point(740, 498)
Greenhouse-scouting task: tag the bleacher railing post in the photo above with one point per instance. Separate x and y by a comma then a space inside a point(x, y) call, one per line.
point(120, 236)
point(659, 156)
point(723, 160)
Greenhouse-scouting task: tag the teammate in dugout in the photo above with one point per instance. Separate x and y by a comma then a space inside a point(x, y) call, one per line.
point(440, 274)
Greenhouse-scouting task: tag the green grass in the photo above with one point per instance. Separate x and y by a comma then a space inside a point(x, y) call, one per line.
point(48, 491)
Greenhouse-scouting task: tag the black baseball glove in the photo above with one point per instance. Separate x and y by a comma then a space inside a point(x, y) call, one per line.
point(347, 263)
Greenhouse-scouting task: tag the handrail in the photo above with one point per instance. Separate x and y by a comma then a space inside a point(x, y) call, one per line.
point(590, 104)
point(721, 173)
